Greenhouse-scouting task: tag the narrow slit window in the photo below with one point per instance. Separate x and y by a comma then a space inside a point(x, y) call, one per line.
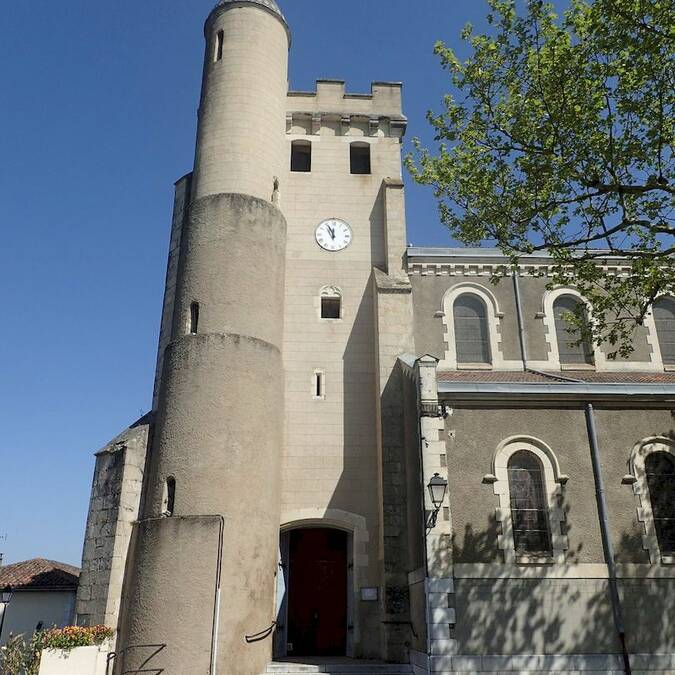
point(169, 496)
point(301, 156)
point(319, 384)
point(194, 318)
point(218, 51)
point(359, 158)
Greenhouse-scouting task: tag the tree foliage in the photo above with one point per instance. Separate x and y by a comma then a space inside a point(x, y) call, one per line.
point(558, 138)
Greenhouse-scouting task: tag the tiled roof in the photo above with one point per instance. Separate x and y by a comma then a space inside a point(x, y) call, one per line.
point(39, 575)
point(586, 376)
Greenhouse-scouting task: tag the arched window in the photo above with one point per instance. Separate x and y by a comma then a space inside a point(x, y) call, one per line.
point(359, 158)
point(529, 512)
point(169, 499)
point(660, 472)
point(472, 333)
point(301, 156)
point(194, 318)
point(573, 347)
point(664, 318)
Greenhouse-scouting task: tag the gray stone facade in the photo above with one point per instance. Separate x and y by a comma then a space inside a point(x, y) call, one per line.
point(113, 509)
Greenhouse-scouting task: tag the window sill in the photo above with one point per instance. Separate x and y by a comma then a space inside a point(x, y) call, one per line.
point(577, 366)
point(474, 366)
point(669, 369)
point(535, 560)
point(668, 559)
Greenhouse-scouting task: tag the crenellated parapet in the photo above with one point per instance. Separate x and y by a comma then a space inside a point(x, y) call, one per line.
point(330, 110)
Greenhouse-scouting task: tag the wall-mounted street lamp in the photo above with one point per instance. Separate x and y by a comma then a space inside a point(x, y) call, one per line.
point(5, 599)
point(437, 486)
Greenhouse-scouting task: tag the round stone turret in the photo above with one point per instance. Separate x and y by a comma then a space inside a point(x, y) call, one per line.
point(218, 435)
point(241, 137)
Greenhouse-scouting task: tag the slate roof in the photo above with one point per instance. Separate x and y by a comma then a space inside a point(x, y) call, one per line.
point(39, 575)
point(586, 376)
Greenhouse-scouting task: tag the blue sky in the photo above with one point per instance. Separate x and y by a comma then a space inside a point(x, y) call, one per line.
point(97, 120)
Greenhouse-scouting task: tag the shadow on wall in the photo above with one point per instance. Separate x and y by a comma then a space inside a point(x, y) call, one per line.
point(556, 616)
point(529, 615)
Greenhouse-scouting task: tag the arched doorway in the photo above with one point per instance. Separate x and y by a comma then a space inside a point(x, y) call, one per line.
point(314, 614)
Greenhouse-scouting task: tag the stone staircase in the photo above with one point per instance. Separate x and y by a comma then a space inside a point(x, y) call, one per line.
point(336, 667)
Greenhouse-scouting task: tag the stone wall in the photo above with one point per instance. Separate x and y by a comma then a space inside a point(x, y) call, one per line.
point(113, 508)
point(181, 212)
point(432, 281)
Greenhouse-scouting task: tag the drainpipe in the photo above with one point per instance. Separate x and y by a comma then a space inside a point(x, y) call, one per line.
point(599, 485)
point(606, 539)
point(521, 323)
point(523, 340)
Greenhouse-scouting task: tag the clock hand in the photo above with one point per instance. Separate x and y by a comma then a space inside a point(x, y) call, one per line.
point(332, 232)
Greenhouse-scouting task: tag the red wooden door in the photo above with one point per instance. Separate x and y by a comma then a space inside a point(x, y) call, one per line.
point(317, 593)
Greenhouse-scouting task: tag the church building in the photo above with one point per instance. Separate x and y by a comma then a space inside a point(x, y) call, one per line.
point(365, 457)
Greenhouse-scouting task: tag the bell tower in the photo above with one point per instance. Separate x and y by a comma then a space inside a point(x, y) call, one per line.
point(203, 558)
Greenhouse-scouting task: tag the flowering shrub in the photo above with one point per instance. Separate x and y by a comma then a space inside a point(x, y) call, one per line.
point(18, 657)
point(74, 636)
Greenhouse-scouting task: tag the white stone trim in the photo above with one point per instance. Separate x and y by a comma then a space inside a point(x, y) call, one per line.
point(602, 363)
point(551, 337)
point(553, 481)
point(566, 664)
point(513, 571)
point(418, 266)
point(653, 337)
point(494, 317)
point(645, 515)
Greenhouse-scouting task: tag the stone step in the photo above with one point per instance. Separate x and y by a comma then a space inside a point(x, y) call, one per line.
point(355, 668)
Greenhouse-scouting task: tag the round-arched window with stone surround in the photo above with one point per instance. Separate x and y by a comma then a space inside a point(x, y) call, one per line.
point(652, 477)
point(527, 478)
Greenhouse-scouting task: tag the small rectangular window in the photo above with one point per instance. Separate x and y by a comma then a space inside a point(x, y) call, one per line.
point(194, 318)
point(301, 156)
point(330, 308)
point(359, 155)
point(218, 52)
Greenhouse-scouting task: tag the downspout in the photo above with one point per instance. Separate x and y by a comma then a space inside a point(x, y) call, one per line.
point(521, 323)
point(599, 485)
point(606, 539)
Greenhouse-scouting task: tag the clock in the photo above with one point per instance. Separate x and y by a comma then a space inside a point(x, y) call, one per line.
point(333, 234)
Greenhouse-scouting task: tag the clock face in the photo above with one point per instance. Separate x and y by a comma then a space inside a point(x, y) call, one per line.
point(333, 235)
